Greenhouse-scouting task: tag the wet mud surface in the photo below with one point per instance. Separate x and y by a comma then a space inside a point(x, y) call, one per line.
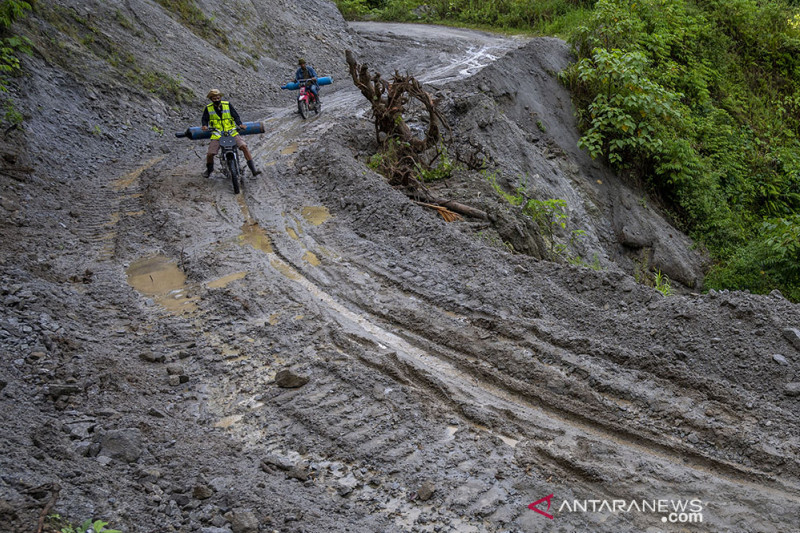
point(320, 353)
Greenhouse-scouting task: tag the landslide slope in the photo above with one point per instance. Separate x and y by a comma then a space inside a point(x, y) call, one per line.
point(320, 353)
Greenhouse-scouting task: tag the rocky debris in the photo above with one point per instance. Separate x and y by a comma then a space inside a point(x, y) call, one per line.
point(271, 463)
point(122, 444)
point(243, 521)
point(151, 357)
point(425, 491)
point(202, 492)
point(780, 359)
point(289, 379)
point(793, 336)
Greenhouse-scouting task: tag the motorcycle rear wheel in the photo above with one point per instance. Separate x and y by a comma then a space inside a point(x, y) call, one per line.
point(302, 106)
point(233, 169)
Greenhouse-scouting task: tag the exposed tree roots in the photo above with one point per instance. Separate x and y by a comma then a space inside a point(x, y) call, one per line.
point(405, 154)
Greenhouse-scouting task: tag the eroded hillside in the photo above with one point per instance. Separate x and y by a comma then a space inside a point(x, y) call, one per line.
point(321, 353)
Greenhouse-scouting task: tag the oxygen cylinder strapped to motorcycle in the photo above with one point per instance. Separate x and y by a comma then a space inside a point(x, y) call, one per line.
point(229, 151)
point(307, 100)
point(293, 85)
point(196, 133)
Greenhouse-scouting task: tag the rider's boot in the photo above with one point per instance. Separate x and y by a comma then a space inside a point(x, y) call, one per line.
point(252, 167)
point(209, 166)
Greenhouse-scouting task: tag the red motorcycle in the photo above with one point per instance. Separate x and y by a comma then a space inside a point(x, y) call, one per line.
point(306, 100)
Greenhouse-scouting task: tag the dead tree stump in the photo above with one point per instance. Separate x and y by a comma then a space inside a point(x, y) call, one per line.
point(404, 153)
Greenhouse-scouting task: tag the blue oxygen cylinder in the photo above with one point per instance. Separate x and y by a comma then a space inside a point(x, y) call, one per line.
point(293, 85)
point(196, 133)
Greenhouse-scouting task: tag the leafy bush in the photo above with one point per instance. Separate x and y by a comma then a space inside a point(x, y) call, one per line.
point(769, 261)
point(353, 9)
point(700, 100)
point(550, 216)
point(628, 106)
point(10, 47)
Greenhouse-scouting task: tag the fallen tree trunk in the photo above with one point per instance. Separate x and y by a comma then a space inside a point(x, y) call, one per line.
point(460, 208)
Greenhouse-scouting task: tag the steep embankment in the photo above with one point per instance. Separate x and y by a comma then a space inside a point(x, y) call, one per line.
point(319, 353)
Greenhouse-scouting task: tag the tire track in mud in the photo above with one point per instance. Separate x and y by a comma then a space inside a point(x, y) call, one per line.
point(462, 380)
point(438, 368)
point(468, 341)
point(436, 371)
point(101, 214)
point(405, 352)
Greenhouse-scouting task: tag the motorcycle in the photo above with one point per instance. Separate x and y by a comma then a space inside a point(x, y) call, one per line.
point(229, 158)
point(306, 100)
point(230, 163)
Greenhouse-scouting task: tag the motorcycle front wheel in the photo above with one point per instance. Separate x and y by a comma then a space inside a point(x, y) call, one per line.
point(302, 106)
point(233, 168)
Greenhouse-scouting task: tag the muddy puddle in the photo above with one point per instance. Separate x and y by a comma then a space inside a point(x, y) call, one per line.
point(290, 149)
point(316, 215)
point(255, 236)
point(160, 278)
point(311, 258)
point(224, 281)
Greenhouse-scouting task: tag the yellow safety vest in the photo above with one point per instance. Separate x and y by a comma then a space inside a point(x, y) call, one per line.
point(222, 123)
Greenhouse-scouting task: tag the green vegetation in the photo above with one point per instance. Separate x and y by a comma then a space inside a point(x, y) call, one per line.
point(11, 46)
point(549, 215)
point(63, 526)
point(662, 283)
point(162, 85)
point(85, 38)
point(196, 21)
point(442, 167)
point(700, 101)
point(545, 16)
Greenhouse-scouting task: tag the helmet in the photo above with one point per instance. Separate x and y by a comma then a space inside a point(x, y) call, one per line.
point(213, 92)
point(301, 61)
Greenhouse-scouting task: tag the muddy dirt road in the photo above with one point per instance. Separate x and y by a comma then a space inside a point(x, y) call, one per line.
point(319, 353)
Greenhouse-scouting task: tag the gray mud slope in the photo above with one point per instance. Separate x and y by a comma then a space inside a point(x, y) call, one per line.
point(320, 353)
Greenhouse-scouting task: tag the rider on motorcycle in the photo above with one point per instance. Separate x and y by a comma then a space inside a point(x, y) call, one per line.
point(220, 115)
point(306, 72)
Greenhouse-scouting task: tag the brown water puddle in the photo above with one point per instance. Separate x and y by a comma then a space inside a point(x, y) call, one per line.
point(162, 280)
point(255, 236)
point(312, 259)
point(225, 280)
point(252, 233)
point(316, 214)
